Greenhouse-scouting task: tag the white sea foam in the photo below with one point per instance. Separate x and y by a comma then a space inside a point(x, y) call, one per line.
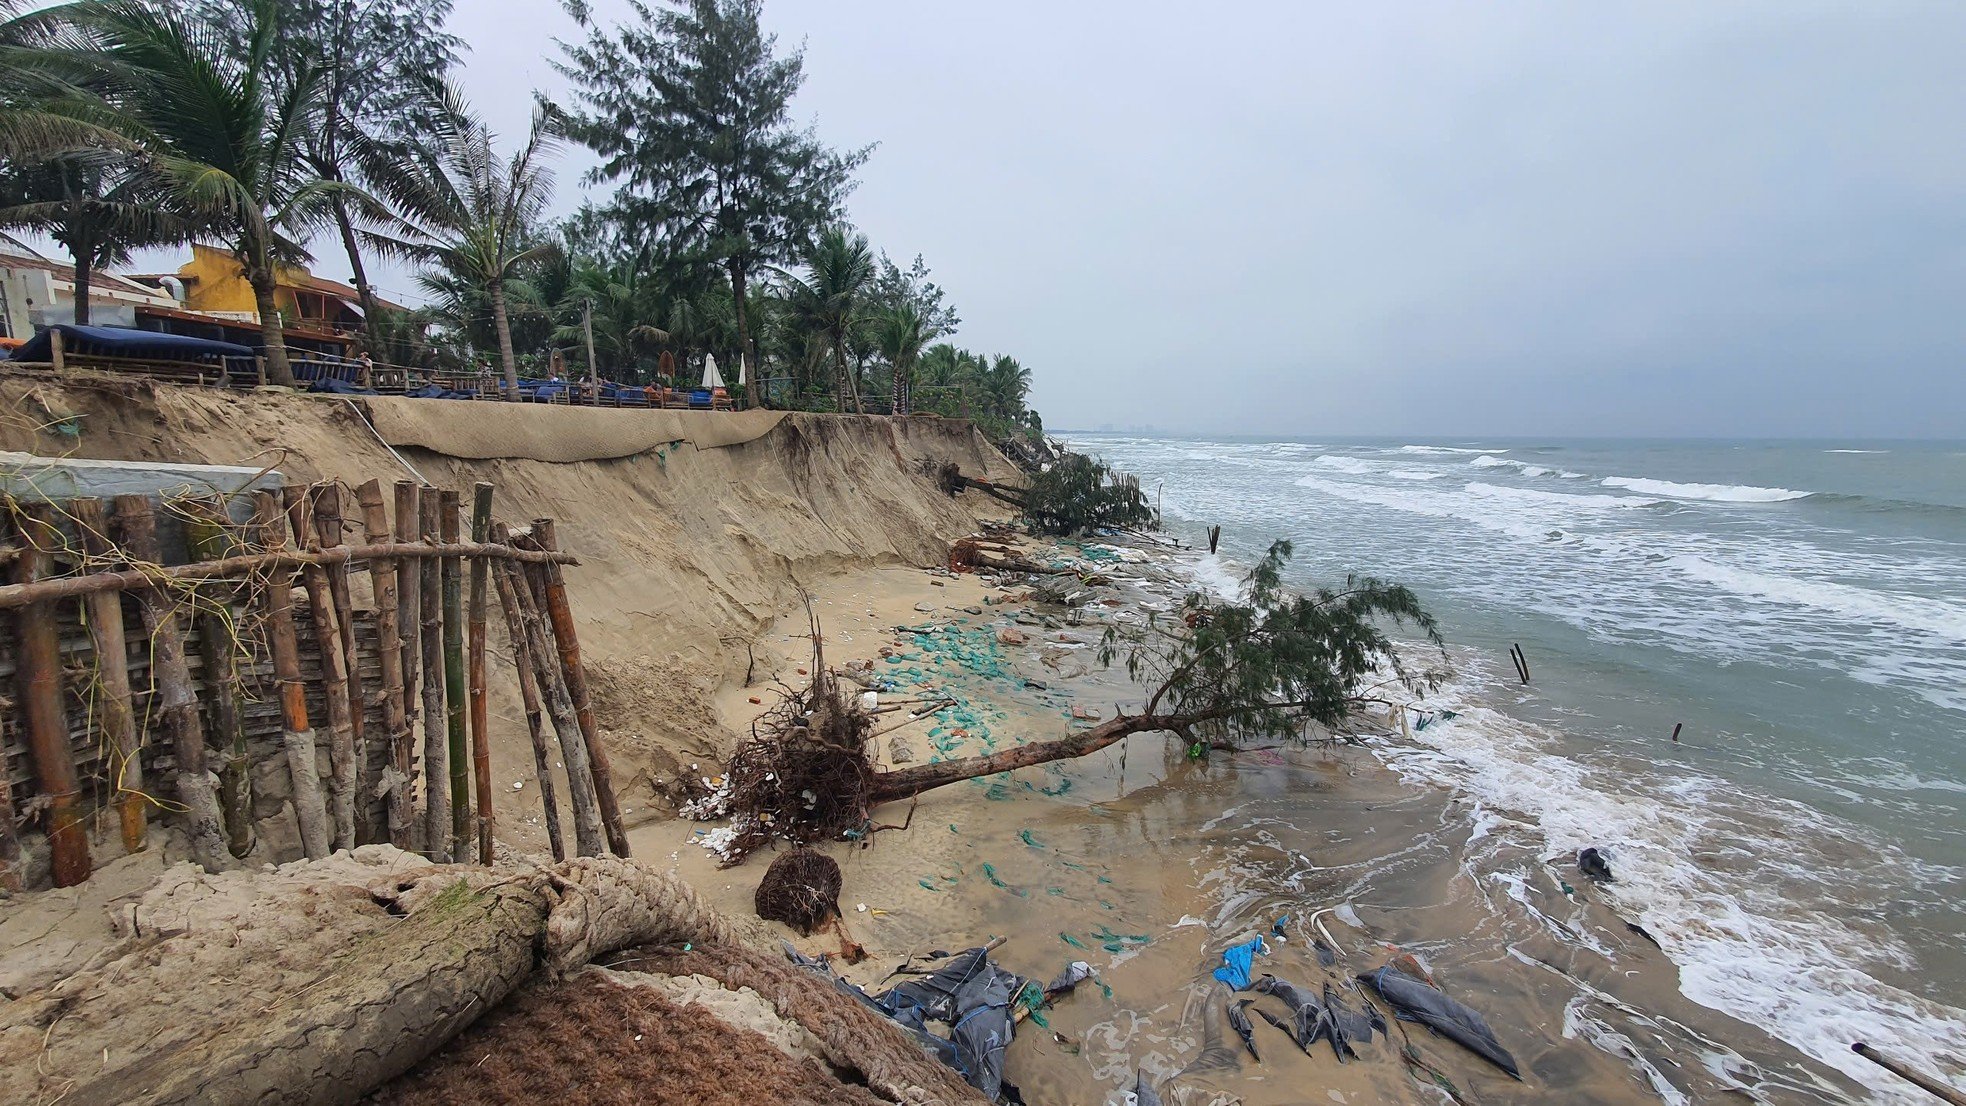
point(1856, 451)
point(1713, 493)
point(1444, 449)
point(1863, 605)
point(1340, 463)
point(1490, 461)
point(1742, 945)
point(1416, 474)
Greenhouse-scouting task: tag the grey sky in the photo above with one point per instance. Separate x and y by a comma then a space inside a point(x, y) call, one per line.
point(1578, 218)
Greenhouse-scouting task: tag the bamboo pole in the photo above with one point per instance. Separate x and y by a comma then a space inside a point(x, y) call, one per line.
point(115, 716)
point(515, 626)
point(297, 735)
point(460, 765)
point(9, 839)
point(436, 790)
point(589, 839)
point(481, 504)
point(205, 531)
point(561, 613)
point(409, 626)
point(176, 699)
point(334, 676)
point(389, 650)
point(329, 527)
point(44, 724)
point(70, 587)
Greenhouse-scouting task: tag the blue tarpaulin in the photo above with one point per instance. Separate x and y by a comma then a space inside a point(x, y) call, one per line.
point(119, 341)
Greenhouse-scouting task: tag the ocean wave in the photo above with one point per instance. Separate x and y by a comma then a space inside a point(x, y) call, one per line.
point(1744, 944)
point(1416, 474)
point(1862, 605)
point(1856, 451)
point(1560, 499)
point(1490, 461)
point(1714, 493)
point(1343, 464)
point(1444, 449)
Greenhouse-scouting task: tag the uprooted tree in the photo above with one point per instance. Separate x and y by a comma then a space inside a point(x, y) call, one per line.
point(1071, 496)
point(1266, 664)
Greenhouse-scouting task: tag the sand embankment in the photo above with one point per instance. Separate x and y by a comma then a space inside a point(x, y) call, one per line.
point(695, 529)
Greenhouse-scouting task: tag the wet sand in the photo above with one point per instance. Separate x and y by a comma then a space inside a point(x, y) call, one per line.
point(1146, 863)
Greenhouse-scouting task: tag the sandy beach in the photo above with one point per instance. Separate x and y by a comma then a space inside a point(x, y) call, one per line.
point(1147, 863)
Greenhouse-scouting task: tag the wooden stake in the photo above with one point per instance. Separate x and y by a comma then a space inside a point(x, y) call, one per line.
point(297, 735)
point(436, 788)
point(481, 504)
point(389, 651)
point(503, 574)
point(43, 722)
point(205, 529)
point(176, 699)
point(1521, 662)
point(409, 625)
point(1919, 1078)
point(589, 839)
point(334, 675)
point(561, 614)
point(328, 526)
point(115, 717)
point(454, 696)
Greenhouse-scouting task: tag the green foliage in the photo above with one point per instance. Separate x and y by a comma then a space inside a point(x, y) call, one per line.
point(1080, 493)
point(1272, 660)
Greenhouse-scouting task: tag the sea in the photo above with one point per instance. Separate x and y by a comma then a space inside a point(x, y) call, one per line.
point(1747, 686)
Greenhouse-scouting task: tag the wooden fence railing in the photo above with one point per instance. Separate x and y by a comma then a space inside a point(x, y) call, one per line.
point(153, 647)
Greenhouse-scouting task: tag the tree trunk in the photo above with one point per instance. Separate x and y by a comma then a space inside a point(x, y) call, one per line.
point(278, 371)
point(907, 782)
point(737, 296)
point(360, 276)
point(84, 277)
point(504, 327)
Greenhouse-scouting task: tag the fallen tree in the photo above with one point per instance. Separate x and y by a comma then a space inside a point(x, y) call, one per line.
point(1072, 495)
point(1266, 665)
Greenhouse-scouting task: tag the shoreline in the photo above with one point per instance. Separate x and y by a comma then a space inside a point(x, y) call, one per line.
point(1183, 856)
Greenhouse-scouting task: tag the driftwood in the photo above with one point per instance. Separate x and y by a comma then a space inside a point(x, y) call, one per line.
point(515, 628)
point(69, 587)
point(436, 784)
point(560, 612)
point(39, 674)
point(460, 764)
point(334, 676)
point(481, 503)
point(206, 528)
point(389, 652)
point(297, 733)
point(176, 699)
point(115, 715)
point(904, 783)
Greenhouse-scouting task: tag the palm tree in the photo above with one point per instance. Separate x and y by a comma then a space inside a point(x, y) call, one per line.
point(830, 302)
point(474, 214)
point(1004, 388)
point(228, 150)
point(900, 333)
point(99, 205)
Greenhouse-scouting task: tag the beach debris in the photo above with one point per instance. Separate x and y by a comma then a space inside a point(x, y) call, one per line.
point(1591, 862)
point(1237, 962)
point(1415, 1000)
point(899, 751)
point(1011, 636)
point(1327, 957)
point(801, 889)
point(1239, 1020)
point(1142, 1093)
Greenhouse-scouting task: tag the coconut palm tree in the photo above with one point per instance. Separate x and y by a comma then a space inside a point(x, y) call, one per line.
point(1005, 384)
point(227, 150)
point(900, 333)
point(473, 214)
point(830, 301)
point(100, 205)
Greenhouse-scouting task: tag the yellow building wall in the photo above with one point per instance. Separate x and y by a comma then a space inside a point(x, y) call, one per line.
point(215, 281)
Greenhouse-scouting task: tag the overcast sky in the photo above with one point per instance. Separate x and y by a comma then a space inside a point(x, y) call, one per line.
point(1705, 218)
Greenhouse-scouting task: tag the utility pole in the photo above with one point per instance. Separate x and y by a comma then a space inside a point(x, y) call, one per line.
point(587, 327)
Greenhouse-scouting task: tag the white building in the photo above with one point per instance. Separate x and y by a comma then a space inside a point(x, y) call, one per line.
point(35, 292)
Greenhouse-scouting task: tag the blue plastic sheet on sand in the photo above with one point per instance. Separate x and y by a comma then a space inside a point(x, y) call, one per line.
point(1237, 960)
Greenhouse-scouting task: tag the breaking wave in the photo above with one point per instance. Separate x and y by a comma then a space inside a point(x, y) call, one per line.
point(1712, 493)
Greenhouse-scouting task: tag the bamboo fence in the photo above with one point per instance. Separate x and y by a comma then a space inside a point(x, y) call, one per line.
point(163, 665)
